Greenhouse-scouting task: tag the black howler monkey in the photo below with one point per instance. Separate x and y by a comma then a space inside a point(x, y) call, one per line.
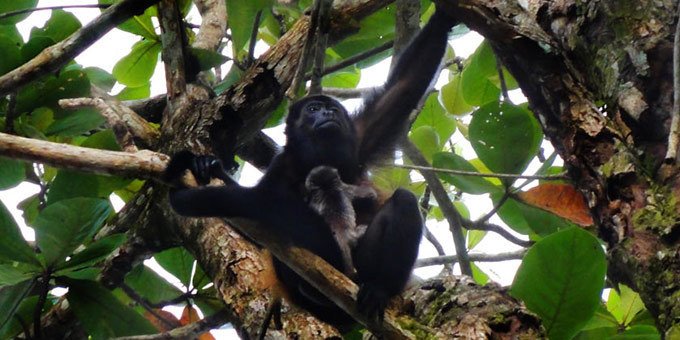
point(321, 133)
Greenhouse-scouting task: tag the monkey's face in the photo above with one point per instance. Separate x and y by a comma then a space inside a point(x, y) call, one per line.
point(321, 117)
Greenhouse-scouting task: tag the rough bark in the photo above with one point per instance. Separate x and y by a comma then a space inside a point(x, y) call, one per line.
point(598, 76)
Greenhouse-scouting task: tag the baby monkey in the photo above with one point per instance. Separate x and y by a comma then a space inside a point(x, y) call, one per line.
point(332, 199)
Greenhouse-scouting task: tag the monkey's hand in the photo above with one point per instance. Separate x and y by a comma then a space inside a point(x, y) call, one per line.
point(372, 301)
point(203, 168)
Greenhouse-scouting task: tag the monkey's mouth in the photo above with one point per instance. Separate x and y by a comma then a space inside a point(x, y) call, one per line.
point(327, 124)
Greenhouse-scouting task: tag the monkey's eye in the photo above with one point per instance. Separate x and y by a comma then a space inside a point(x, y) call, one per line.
point(313, 107)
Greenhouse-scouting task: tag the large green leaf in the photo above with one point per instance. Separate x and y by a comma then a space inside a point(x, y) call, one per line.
point(76, 123)
point(177, 261)
point(140, 24)
point(13, 247)
point(626, 305)
point(59, 26)
point(347, 78)
point(150, 285)
point(13, 5)
point(374, 30)
point(68, 84)
point(427, 140)
point(561, 279)
point(10, 299)
point(94, 253)
point(13, 273)
point(102, 315)
point(12, 172)
point(136, 68)
point(241, 19)
point(434, 115)
point(451, 97)
point(504, 136)
point(477, 89)
point(470, 184)
point(63, 226)
point(11, 54)
point(526, 219)
point(100, 77)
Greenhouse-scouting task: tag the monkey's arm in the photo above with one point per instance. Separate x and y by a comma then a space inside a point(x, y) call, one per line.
point(384, 118)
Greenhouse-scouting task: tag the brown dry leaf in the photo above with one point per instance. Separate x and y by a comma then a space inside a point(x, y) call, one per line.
point(560, 199)
point(190, 315)
point(160, 325)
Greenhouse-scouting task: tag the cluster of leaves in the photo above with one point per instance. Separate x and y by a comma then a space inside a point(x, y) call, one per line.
point(561, 277)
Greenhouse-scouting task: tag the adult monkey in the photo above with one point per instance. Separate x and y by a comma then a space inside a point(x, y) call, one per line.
point(321, 133)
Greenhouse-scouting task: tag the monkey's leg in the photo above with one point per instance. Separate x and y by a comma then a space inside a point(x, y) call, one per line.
point(385, 254)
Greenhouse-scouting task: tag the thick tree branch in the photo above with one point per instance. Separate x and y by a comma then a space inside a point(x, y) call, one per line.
point(57, 55)
point(142, 164)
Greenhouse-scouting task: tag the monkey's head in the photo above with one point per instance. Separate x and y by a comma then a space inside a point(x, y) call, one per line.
point(318, 115)
point(320, 132)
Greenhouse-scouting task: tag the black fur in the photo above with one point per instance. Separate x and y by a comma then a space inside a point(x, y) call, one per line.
point(320, 132)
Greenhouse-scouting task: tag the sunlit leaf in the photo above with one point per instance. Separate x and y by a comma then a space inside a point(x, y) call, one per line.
point(560, 279)
point(136, 68)
point(560, 199)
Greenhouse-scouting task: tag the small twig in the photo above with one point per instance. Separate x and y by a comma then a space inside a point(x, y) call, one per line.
point(470, 225)
point(557, 177)
point(145, 304)
point(450, 259)
point(36, 9)
point(43, 290)
point(501, 78)
point(11, 113)
point(355, 59)
point(674, 135)
point(425, 208)
point(299, 78)
point(452, 215)
point(253, 38)
point(190, 331)
point(348, 93)
point(320, 43)
point(495, 209)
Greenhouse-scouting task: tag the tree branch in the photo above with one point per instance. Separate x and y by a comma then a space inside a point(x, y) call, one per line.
point(190, 331)
point(449, 259)
point(54, 57)
point(142, 164)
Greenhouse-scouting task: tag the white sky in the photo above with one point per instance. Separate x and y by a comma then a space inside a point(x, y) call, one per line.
point(116, 44)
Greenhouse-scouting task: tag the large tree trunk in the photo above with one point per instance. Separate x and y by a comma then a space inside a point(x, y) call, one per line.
point(598, 75)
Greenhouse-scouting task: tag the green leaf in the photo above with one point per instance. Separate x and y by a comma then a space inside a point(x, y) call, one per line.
point(12, 172)
point(69, 84)
point(100, 78)
point(601, 319)
point(136, 68)
point(347, 78)
point(474, 237)
point(526, 219)
point(505, 137)
point(207, 59)
point(58, 27)
point(178, 262)
point(13, 273)
point(132, 93)
point(10, 299)
point(241, 19)
point(25, 311)
point(11, 54)
point(10, 6)
point(63, 226)
point(140, 24)
point(561, 279)
point(643, 332)
point(469, 184)
point(13, 247)
point(427, 141)
point(95, 252)
point(625, 306)
point(102, 315)
point(478, 275)
point(374, 30)
point(150, 285)
point(451, 97)
point(76, 123)
point(34, 46)
point(71, 184)
point(475, 85)
point(435, 116)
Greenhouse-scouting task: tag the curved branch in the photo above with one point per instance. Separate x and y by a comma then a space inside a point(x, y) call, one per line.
point(57, 55)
